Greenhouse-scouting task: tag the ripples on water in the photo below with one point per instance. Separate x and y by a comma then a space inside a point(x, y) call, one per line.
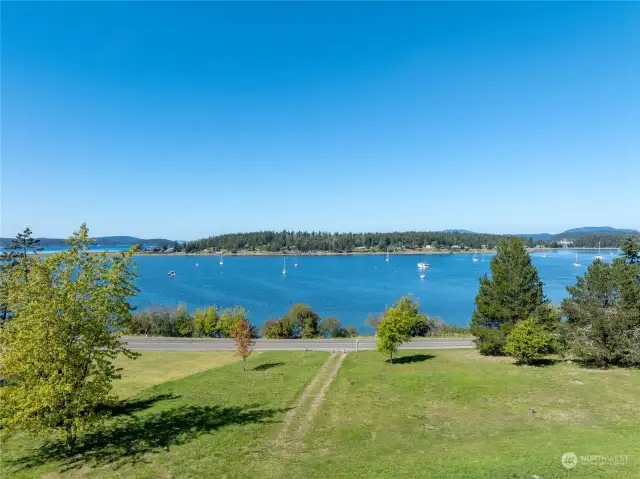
point(348, 287)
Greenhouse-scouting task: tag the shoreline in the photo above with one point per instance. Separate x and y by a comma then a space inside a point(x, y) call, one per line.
point(358, 253)
point(411, 252)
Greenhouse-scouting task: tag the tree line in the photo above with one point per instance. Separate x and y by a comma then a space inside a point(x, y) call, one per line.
point(302, 241)
point(276, 241)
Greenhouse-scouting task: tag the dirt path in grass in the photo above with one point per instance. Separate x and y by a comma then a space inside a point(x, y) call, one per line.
point(317, 401)
point(298, 419)
point(291, 414)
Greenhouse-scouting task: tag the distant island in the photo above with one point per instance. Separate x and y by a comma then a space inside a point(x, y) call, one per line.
point(101, 241)
point(448, 241)
point(325, 243)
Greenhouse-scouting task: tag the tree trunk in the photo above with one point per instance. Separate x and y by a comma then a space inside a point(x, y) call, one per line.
point(391, 358)
point(71, 436)
point(244, 364)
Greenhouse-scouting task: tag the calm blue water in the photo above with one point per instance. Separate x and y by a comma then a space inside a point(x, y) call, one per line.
point(348, 287)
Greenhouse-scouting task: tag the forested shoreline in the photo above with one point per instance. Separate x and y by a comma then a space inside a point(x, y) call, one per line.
point(325, 242)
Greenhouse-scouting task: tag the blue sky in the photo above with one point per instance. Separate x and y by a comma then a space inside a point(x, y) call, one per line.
point(183, 120)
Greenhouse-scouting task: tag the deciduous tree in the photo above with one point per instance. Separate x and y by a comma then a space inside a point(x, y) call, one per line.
point(245, 343)
point(394, 328)
point(59, 347)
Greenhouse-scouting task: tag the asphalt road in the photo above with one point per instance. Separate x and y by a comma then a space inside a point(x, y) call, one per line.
point(192, 344)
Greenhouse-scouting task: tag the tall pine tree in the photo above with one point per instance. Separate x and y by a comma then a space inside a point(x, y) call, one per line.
point(512, 294)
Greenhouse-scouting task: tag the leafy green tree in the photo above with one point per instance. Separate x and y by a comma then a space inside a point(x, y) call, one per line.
point(278, 329)
point(59, 347)
point(528, 341)
point(603, 314)
point(330, 327)
point(183, 324)
point(512, 294)
point(394, 328)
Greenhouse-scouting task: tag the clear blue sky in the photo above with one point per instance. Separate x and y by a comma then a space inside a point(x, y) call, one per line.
point(182, 120)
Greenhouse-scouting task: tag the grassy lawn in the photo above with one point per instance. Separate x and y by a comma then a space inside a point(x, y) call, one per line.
point(444, 413)
point(458, 414)
point(155, 367)
point(210, 424)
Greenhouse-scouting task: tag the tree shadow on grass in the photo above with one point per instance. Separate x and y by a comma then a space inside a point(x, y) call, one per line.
point(130, 406)
point(540, 363)
point(416, 358)
point(265, 366)
point(126, 440)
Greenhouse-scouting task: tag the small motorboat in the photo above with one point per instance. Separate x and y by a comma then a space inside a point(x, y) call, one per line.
point(172, 273)
point(423, 265)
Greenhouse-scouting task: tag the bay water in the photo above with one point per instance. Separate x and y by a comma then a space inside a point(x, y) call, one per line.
point(347, 287)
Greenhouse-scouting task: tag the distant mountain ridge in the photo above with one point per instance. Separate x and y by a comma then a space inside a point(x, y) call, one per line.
point(101, 240)
point(581, 232)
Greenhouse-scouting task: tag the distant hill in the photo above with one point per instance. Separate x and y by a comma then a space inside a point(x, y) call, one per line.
point(100, 240)
point(588, 234)
point(597, 230)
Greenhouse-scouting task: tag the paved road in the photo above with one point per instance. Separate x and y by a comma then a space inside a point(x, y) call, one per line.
point(191, 344)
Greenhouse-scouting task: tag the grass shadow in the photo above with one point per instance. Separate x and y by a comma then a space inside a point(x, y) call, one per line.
point(415, 358)
point(127, 439)
point(130, 406)
point(540, 363)
point(265, 366)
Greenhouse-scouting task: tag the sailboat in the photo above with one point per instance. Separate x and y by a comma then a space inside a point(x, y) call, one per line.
point(387, 259)
point(221, 260)
point(284, 268)
point(576, 264)
point(295, 265)
point(598, 256)
point(475, 258)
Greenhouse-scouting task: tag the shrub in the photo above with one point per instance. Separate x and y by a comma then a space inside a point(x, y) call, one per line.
point(528, 341)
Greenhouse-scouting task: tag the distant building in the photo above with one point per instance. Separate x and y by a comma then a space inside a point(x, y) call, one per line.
point(429, 246)
point(565, 243)
point(455, 246)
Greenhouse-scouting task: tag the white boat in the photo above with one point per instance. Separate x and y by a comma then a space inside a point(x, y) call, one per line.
point(423, 276)
point(221, 260)
point(598, 256)
point(475, 258)
point(423, 265)
point(387, 258)
point(284, 268)
point(576, 264)
point(295, 265)
point(543, 255)
point(172, 273)
point(196, 265)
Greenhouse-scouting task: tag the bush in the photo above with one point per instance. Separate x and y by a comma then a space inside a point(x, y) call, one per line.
point(528, 341)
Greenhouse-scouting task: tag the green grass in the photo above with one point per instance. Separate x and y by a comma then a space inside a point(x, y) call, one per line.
point(155, 367)
point(444, 413)
point(215, 423)
point(458, 414)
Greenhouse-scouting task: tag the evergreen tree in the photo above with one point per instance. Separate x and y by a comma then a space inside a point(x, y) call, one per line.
point(603, 314)
point(17, 253)
point(512, 294)
point(630, 247)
